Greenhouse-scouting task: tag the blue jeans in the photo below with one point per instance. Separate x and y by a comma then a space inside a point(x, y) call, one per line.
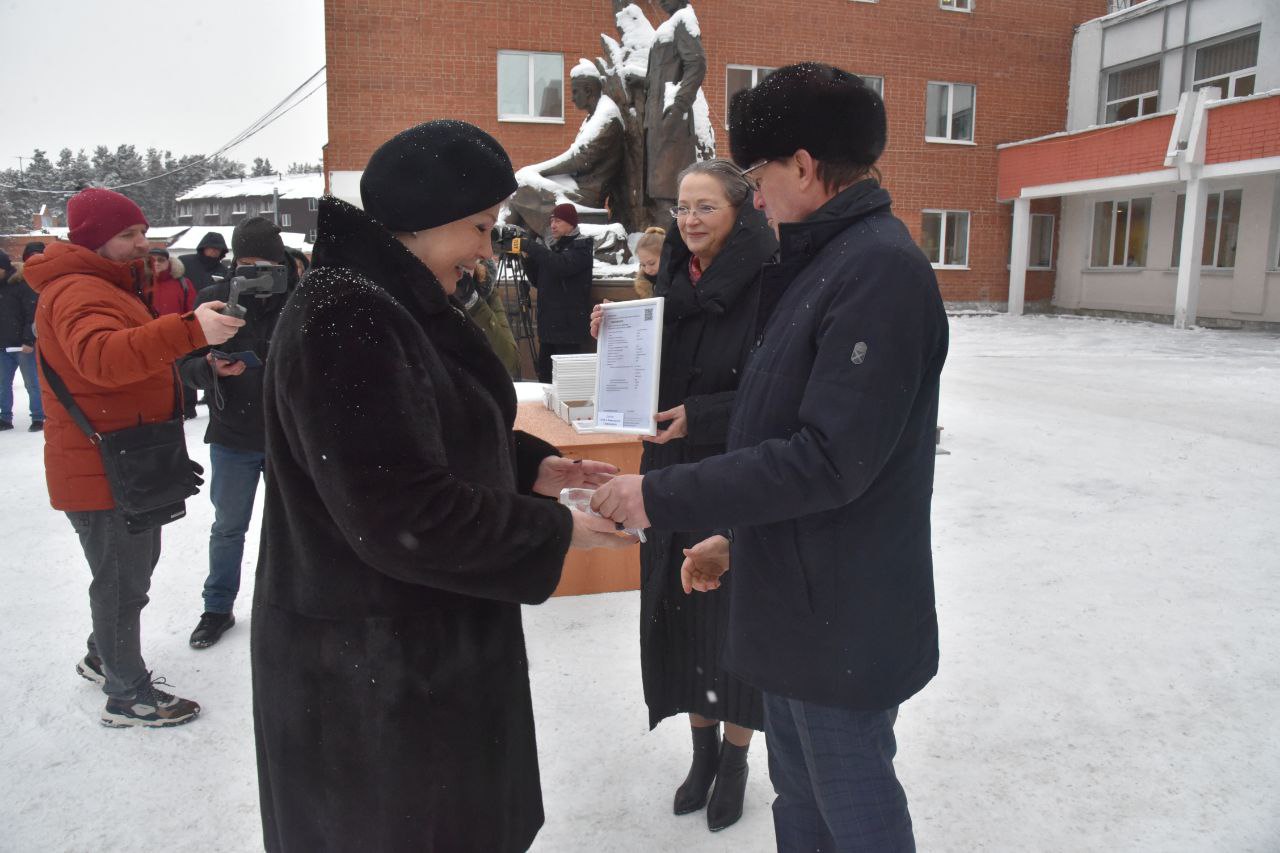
point(10, 363)
point(832, 770)
point(232, 488)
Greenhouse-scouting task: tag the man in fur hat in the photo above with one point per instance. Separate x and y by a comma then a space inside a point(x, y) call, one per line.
point(825, 490)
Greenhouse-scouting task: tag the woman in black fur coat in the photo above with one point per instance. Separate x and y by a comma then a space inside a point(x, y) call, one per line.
point(401, 533)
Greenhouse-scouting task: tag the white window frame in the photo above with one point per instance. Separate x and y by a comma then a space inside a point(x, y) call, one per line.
point(956, 5)
point(311, 236)
point(1031, 230)
point(1233, 76)
point(239, 207)
point(313, 204)
point(878, 77)
point(1140, 98)
point(1179, 235)
point(286, 219)
point(267, 209)
point(758, 73)
point(951, 92)
point(1128, 225)
point(184, 208)
point(942, 237)
point(530, 99)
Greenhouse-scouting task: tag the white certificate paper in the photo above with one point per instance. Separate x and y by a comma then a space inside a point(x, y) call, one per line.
point(629, 353)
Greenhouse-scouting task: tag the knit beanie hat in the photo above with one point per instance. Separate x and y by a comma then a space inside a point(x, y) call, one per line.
point(825, 110)
point(6, 265)
point(433, 174)
point(96, 215)
point(35, 247)
point(257, 237)
point(566, 213)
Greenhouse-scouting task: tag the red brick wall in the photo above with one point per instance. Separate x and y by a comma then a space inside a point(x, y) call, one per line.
point(393, 63)
point(1244, 131)
point(1118, 150)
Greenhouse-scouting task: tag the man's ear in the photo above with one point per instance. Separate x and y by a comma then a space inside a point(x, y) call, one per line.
point(806, 167)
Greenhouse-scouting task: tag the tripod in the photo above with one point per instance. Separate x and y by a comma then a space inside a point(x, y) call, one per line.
point(518, 300)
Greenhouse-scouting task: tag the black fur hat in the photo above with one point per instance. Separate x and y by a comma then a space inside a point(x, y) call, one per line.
point(825, 110)
point(433, 174)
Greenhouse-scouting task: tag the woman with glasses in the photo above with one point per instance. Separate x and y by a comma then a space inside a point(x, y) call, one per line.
point(708, 274)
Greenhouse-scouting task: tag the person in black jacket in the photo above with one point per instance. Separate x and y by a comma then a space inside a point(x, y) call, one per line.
point(207, 265)
point(562, 275)
point(827, 482)
point(402, 528)
point(709, 276)
point(17, 345)
point(235, 433)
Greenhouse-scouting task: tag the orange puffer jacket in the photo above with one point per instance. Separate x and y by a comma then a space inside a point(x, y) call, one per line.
point(114, 356)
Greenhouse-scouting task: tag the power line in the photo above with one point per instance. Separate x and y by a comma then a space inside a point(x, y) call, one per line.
point(260, 124)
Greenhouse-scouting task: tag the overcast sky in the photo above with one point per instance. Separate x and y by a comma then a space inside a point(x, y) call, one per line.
point(170, 74)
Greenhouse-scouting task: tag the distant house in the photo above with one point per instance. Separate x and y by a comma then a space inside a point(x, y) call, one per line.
point(294, 199)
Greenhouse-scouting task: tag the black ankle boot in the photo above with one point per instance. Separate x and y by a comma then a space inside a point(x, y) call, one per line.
point(731, 785)
point(692, 794)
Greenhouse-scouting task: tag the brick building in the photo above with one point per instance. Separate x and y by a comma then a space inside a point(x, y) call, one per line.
point(958, 78)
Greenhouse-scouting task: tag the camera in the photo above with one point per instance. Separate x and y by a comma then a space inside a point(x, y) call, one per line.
point(506, 239)
point(261, 279)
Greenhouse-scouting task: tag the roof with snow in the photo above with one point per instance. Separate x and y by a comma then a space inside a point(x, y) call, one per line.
point(308, 185)
point(193, 235)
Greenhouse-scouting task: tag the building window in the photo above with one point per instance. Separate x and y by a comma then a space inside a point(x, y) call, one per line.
point(311, 236)
point(286, 219)
point(739, 78)
point(1232, 66)
point(874, 82)
point(238, 207)
point(945, 237)
point(266, 207)
point(1120, 230)
point(1040, 257)
point(313, 204)
point(184, 209)
point(949, 112)
point(530, 86)
point(1221, 229)
point(1133, 92)
point(956, 5)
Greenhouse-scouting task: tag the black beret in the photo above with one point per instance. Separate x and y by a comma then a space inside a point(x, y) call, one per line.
point(433, 174)
point(826, 111)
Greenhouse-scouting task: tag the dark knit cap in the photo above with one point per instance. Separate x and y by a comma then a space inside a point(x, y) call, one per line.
point(257, 237)
point(566, 213)
point(433, 174)
point(6, 264)
point(825, 110)
point(96, 215)
point(35, 247)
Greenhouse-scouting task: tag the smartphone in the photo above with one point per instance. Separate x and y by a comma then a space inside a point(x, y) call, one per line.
point(249, 358)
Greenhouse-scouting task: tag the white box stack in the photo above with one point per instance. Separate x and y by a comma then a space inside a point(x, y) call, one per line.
point(573, 382)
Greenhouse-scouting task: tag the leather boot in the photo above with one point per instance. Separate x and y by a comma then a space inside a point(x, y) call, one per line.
point(725, 806)
point(692, 793)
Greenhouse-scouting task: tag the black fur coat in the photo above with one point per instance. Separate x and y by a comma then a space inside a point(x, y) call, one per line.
point(391, 692)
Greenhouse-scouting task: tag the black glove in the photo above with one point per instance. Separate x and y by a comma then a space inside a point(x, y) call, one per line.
point(196, 480)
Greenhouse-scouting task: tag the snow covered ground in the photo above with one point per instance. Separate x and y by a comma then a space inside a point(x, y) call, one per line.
point(1108, 588)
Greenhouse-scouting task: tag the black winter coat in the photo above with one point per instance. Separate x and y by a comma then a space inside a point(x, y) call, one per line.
point(562, 274)
point(707, 332)
point(201, 270)
point(235, 402)
point(829, 476)
point(391, 692)
point(17, 312)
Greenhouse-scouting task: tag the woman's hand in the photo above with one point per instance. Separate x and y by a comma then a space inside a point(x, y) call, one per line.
point(597, 317)
point(556, 473)
point(677, 426)
point(704, 563)
point(591, 531)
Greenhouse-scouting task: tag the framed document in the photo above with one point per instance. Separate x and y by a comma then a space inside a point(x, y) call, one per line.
point(629, 355)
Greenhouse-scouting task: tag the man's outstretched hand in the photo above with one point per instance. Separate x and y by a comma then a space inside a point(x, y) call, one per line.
point(704, 563)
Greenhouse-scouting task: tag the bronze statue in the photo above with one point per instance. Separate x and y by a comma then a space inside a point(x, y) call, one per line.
point(677, 65)
point(586, 173)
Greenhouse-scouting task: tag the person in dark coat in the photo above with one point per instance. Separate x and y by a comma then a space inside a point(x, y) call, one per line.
point(17, 345)
point(709, 276)
point(562, 274)
point(402, 528)
point(237, 449)
point(206, 266)
point(827, 482)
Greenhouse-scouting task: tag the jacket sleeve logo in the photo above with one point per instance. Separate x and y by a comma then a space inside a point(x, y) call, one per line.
point(859, 352)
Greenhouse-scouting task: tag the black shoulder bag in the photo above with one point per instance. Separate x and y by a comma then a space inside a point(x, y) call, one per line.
point(147, 466)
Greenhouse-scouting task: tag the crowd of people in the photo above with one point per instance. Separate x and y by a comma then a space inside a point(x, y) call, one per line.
point(786, 579)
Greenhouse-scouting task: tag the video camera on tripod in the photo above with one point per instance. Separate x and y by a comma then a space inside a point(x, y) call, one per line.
point(507, 239)
point(261, 279)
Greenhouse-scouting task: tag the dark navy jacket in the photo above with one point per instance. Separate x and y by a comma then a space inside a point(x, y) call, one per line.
point(828, 477)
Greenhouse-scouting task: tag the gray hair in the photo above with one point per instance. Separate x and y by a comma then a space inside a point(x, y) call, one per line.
point(735, 184)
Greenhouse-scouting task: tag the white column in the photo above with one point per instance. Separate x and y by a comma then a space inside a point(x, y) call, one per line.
point(1187, 301)
point(1018, 257)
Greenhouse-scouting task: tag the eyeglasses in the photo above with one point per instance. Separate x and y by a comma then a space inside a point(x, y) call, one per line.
point(702, 210)
point(746, 173)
